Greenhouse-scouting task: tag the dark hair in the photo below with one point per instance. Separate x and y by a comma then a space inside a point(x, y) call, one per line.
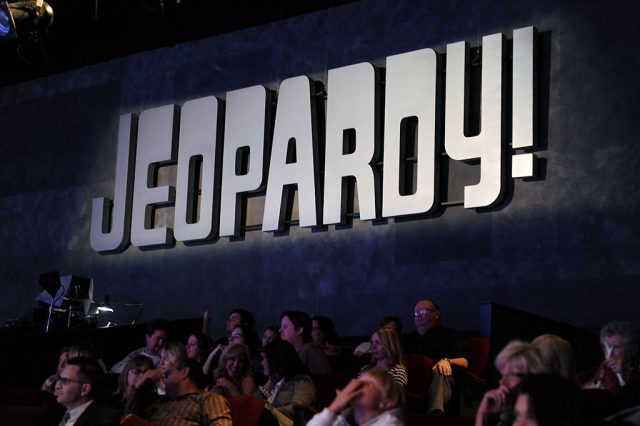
point(196, 375)
point(246, 317)
point(205, 344)
point(283, 360)
point(553, 401)
point(157, 324)
point(89, 371)
point(300, 320)
point(83, 348)
point(394, 319)
point(327, 327)
point(251, 339)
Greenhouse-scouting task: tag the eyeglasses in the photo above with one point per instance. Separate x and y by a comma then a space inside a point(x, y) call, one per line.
point(422, 311)
point(65, 381)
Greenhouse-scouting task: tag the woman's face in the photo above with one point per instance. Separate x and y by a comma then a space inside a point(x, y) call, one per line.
point(236, 336)
point(62, 361)
point(234, 366)
point(511, 374)
point(167, 362)
point(521, 412)
point(193, 351)
point(317, 334)
point(288, 330)
point(133, 374)
point(265, 365)
point(267, 337)
point(377, 348)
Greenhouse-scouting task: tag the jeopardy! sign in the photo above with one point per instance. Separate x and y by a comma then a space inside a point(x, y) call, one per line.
point(224, 151)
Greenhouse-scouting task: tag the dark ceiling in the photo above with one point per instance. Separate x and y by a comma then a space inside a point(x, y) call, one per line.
point(89, 31)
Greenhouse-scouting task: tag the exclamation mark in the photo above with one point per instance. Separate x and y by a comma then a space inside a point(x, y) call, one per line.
point(524, 101)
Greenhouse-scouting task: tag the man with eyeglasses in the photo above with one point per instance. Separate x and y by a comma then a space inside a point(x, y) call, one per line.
point(77, 389)
point(442, 345)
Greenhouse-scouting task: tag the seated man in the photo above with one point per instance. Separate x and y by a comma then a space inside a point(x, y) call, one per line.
point(295, 328)
point(184, 403)
point(442, 345)
point(77, 388)
point(154, 340)
point(374, 399)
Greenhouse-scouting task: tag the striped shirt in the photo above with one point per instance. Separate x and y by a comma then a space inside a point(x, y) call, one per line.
point(200, 408)
point(397, 371)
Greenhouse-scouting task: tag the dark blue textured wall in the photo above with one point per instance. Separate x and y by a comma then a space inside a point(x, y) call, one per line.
point(565, 246)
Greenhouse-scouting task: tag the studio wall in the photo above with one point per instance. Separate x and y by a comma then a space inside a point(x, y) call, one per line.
point(563, 245)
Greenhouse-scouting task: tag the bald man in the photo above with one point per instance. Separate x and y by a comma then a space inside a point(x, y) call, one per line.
point(442, 345)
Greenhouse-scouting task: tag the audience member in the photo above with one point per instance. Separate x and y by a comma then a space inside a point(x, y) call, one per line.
point(184, 403)
point(619, 372)
point(557, 356)
point(442, 345)
point(237, 316)
point(287, 383)
point(375, 399)
point(270, 334)
point(514, 361)
point(154, 340)
point(83, 349)
point(389, 321)
point(324, 335)
point(295, 328)
point(136, 367)
point(386, 355)
point(49, 384)
point(78, 388)
point(546, 400)
point(233, 376)
point(199, 346)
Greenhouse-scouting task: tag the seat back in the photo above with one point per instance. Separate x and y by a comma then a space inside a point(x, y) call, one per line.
point(326, 386)
point(246, 410)
point(479, 351)
point(419, 374)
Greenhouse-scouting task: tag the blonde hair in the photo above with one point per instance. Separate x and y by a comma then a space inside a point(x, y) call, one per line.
point(389, 387)
point(234, 351)
point(391, 342)
point(524, 355)
point(557, 355)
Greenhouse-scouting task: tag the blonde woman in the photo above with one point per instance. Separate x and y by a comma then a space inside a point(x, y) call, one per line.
point(514, 361)
point(233, 376)
point(386, 355)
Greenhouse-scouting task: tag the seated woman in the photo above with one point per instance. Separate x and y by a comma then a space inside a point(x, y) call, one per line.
point(241, 334)
point(135, 367)
point(288, 383)
point(389, 321)
point(199, 346)
point(514, 361)
point(373, 399)
point(295, 328)
point(85, 349)
point(386, 355)
point(546, 400)
point(233, 376)
point(324, 335)
point(557, 356)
